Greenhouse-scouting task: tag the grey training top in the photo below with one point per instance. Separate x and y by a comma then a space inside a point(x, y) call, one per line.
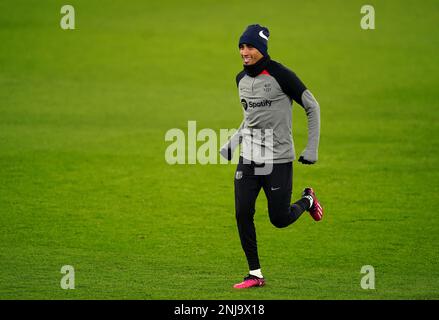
point(266, 131)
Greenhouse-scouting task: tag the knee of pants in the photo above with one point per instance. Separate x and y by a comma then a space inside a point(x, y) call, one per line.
point(244, 214)
point(279, 214)
point(278, 221)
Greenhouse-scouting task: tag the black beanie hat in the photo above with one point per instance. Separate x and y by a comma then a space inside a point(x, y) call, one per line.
point(257, 36)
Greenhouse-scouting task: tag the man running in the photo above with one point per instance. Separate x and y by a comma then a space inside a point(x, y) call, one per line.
point(267, 90)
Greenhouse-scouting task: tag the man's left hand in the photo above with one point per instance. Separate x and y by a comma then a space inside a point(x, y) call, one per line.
point(308, 156)
point(304, 161)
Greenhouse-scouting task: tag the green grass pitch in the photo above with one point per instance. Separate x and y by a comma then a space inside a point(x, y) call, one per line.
point(84, 182)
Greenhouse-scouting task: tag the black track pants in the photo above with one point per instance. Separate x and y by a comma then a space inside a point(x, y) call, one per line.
point(278, 188)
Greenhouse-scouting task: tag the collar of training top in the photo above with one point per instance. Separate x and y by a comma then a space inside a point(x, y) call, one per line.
point(255, 69)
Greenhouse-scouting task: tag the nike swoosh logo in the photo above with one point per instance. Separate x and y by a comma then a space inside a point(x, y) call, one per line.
point(274, 189)
point(262, 35)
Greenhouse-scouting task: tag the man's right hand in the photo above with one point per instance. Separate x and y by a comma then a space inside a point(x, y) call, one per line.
point(226, 153)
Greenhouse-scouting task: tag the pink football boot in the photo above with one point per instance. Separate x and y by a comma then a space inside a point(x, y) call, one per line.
point(250, 281)
point(316, 209)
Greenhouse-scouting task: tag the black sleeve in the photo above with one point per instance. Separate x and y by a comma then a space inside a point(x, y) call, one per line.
point(288, 81)
point(239, 76)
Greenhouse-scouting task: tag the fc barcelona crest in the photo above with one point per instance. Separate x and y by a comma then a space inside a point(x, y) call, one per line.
point(267, 87)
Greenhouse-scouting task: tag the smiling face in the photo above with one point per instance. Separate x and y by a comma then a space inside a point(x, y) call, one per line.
point(249, 54)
